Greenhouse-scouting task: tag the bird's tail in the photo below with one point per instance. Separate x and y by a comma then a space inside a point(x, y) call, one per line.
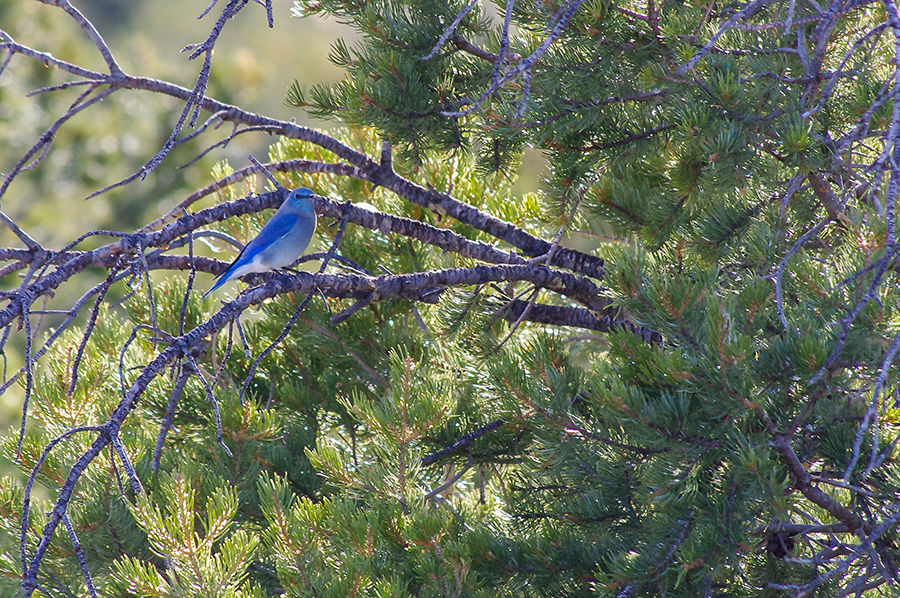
point(222, 280)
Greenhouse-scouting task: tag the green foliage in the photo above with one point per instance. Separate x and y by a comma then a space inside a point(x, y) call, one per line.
point(610, 467)
point(211, 562)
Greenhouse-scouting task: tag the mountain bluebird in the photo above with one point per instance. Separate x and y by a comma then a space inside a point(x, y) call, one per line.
point(281, 241)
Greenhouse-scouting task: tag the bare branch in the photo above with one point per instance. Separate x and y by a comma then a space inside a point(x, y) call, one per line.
point(803, 482)
point(372, 170)
point(92, 33)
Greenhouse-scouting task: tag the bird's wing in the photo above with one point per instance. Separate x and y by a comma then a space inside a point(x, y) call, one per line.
point(275, 229)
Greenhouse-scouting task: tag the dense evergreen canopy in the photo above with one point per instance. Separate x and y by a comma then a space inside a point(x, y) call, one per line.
point(665, 369)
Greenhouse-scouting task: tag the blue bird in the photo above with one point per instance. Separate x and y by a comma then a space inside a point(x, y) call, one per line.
point(281, 241)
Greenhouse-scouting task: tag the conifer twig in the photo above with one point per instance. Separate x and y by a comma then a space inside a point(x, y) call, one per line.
point(449, 482)
point(211, 397)
point(57, 332)
point(449, 31)
point(522, 317)
point(26, 503)
point(849, 319)
point(465, 441)
point(266, 172)
point(344, 315)
point(524, 66)
point(101, 291)
point(378, 378)
point(748, 10)
point(126, 464)
point(79, 554)
point(192, 273)
point(779, 271)
point(168, 418)
point(29, 383)
point(193, 105)
point(244, 344)
point(802, 481)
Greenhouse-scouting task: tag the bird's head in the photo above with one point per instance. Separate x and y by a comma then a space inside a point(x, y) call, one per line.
point(301, 199)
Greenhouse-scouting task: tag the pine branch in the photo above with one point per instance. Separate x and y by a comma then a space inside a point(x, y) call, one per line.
point(826, 196)
point(371, 170)
point(803, 483)
point(555, 315)
point(130, 245)
point(463, 442)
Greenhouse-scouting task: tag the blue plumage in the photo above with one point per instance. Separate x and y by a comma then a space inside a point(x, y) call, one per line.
point(281, 241)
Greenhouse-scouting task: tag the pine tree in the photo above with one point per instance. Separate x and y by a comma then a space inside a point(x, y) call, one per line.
point(666, 370)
